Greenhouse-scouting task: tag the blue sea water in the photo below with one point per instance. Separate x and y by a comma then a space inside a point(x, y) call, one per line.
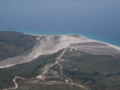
point(95, 19)
point(113, 38)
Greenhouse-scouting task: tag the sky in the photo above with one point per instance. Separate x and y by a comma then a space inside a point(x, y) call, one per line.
point(93, 17)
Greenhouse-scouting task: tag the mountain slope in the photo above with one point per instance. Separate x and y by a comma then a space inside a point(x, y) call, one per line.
point(63, 62)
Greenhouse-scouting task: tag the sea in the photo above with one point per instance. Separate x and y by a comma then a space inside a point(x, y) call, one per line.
point(95, 19)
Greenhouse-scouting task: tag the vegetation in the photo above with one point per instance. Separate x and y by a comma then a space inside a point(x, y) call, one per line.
point(27, 70)
point(97, 72)
point(32, 85)
point(14, 43)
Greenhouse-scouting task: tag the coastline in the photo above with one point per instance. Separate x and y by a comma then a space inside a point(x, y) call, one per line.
point(82, 35)
point(39, 32)
point(117, 46)
point(100, 41)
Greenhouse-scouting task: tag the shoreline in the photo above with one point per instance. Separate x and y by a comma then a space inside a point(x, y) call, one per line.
point(30, 32)
point(100, 41)
point(81, 35)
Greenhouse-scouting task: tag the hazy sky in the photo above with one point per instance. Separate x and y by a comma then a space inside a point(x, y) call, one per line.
point(62, 16)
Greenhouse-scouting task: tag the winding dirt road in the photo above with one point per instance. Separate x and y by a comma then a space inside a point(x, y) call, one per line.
point(57, 62)
point(42, 76)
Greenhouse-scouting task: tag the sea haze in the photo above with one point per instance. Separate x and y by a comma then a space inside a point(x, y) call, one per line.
point(97, 19)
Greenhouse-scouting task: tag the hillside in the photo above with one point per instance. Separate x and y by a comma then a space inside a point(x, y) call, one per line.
point(63, 62)
point(14, 43)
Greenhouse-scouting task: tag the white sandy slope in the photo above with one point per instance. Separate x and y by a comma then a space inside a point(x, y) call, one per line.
point(47, 44)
